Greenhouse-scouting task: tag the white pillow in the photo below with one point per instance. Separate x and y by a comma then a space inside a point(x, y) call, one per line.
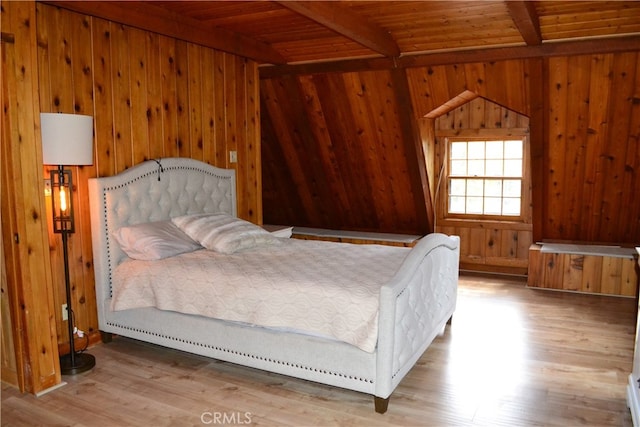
point(224, 233)
point(154, 240)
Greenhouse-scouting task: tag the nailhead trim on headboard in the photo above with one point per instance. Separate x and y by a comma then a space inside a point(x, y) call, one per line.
point(108, 237)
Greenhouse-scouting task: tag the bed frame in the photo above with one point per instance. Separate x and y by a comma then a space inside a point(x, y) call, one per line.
point(414, 307)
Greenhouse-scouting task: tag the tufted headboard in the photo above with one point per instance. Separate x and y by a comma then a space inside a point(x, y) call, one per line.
point(154, 190)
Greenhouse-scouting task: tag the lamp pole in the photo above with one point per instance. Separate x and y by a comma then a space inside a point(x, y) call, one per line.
point(73, 363)
point(67, 283)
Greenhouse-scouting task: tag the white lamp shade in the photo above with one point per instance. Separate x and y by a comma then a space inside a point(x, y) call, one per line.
point(67, 139)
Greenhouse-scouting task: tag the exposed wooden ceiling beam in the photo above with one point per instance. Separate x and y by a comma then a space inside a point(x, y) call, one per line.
point(525, 17)
point(345, 22)
point(582, 47)
point(416, 160)
point(150, 17)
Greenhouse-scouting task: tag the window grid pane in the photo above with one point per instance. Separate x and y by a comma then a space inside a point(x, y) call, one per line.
point(458, 167)
point(492, 206)
point(456, 204)
point(459, 150)
point(493, 188)
point(475, 205)
point(495, 150)
point(458, 187)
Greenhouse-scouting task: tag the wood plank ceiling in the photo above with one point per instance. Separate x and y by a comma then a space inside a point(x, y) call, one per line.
point(311, 51)
point(293, 32)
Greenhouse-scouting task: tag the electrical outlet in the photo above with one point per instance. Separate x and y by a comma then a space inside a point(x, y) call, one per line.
point(65, 313)
point(47, 187)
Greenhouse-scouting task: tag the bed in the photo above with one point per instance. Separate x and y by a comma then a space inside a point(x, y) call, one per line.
point(411, 305)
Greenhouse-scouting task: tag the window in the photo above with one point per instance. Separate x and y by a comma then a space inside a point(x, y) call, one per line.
point(485, 177)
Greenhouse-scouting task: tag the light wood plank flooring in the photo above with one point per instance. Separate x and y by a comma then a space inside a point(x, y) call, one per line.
point(512, 356)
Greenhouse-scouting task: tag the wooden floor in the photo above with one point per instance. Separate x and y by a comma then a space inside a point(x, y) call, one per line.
point(512, 356)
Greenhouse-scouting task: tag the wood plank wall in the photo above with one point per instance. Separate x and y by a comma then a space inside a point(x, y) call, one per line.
point(505, 83)
point(590, 135)
point(592, 172)
point(24, 230)
point(333, 157)
point(334, 152)
point(498, 246)
point(152, 97)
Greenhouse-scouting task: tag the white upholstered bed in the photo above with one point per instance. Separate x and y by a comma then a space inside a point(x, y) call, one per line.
point(413, 304)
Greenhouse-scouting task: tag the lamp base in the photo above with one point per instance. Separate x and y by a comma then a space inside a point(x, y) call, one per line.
point(82, 363)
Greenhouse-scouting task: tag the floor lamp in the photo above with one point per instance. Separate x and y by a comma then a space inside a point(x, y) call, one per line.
point(67, 139)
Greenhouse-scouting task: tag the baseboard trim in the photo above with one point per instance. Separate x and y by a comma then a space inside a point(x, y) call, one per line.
point(50, 389)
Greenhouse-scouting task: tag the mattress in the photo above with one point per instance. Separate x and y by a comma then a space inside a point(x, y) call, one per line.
point(322, 288)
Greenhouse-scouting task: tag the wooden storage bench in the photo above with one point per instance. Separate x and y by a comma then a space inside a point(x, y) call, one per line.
point(360, 237)
point(609, 270)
